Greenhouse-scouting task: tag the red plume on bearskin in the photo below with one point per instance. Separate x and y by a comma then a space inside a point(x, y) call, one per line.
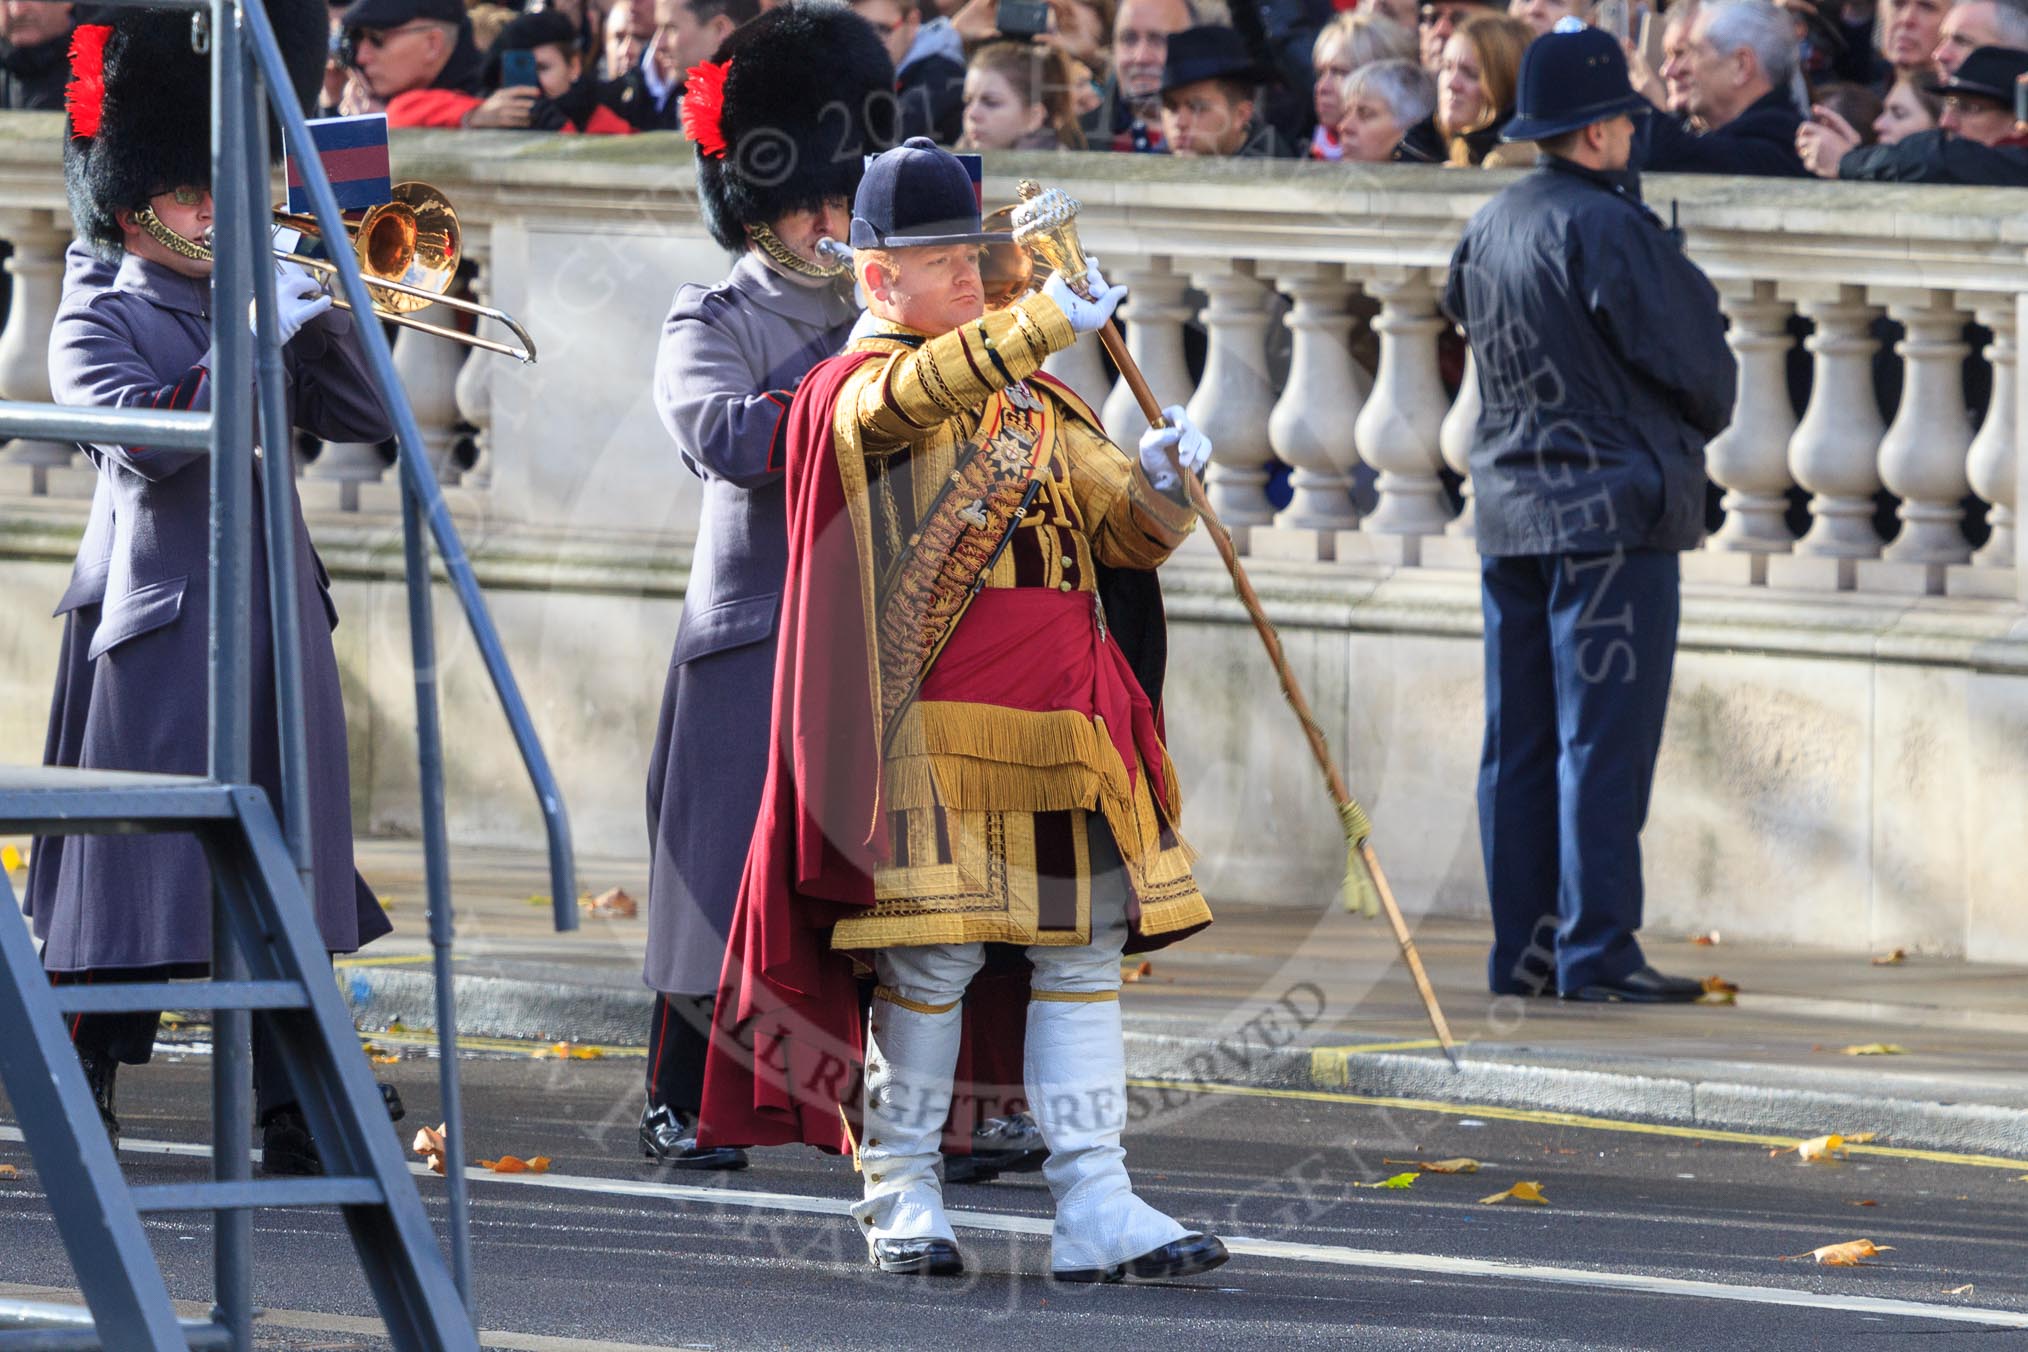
point(84, 98)
point(704, 106)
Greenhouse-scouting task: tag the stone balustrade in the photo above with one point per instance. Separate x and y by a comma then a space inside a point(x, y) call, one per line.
point(1306, 295)
point(586, 240)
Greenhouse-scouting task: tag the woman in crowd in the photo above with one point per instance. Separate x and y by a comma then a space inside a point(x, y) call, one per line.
point(1908, 108)
point(1018, 97)
point(1476, 81)
point(1382, 101)
point(1349, 42)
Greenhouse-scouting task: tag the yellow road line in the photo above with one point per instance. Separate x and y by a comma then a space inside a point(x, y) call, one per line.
point(1423, 1044)
point(392, 960)
point(1544, 1117)
point(410, 1037)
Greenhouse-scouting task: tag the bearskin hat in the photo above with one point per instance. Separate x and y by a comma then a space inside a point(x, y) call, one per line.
point(785, 113)
point(139, 108)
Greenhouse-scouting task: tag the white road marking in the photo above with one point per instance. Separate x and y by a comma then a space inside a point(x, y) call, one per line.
point(1333, 1255)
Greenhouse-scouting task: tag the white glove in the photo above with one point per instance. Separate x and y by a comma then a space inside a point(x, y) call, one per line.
point(299, 298)
point(1086, 316)
point(1193, 448)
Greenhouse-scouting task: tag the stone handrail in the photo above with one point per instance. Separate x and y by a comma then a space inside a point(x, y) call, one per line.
point(585, 239)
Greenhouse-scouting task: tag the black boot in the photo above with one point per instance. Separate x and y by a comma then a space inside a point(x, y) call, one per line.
point(286, 1144)
point(99, 1072)
point(670, 1139)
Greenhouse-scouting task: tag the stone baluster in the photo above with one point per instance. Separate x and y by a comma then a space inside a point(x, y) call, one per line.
point(1834, 453)
point(473, 389)
point(1922, 457)
point(1155, 313)
point(1992, 465)
point(1750, 458)
point(1082, 366)
point(1398, 428)
point(1455, 437)
point(1235, 399)
point(1311, 426)
point(428, 366)
point(37, 271)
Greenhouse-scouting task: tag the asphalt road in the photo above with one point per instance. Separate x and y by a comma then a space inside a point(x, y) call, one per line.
point(1649, 1240)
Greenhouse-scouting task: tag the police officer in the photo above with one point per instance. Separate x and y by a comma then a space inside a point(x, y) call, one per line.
point(1603, 372)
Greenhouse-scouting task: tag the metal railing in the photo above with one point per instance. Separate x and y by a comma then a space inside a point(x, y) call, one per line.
point(245, 359)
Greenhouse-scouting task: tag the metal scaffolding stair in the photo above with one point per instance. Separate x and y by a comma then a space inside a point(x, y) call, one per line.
point(267, 956)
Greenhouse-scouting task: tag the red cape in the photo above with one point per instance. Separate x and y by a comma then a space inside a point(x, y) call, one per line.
point(788, 1041)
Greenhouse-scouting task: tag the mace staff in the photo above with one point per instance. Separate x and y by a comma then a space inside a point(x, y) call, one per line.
point(1045, 223)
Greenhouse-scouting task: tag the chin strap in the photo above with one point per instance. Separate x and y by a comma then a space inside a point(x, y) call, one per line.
point(788, 259)
point(169, 239)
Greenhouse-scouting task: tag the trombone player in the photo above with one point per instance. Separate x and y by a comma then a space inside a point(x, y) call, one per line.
point(137, 332)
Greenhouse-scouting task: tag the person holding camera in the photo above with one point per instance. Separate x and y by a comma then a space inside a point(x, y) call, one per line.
point(538, 54)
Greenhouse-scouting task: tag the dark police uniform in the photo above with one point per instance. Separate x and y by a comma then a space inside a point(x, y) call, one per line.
point(1603, 371)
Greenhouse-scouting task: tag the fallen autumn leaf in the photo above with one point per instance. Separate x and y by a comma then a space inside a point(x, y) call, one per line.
point(1705, 940)
point(1868, 1202)
point(1824, 1147)
point(611, 904)
point(1894, 959)
point(1398, 1183)
point(1520, 1192)
point(1718, 985)
point(1874, 1049)
point(1848, 1254)
point(1964, 1290)
point(1452, 1166)
point(430, 1145)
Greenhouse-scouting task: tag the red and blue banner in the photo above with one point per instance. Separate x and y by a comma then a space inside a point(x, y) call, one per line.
point(354, 154)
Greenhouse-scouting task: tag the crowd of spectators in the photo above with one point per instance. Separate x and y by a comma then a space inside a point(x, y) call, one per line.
point(1882, 90)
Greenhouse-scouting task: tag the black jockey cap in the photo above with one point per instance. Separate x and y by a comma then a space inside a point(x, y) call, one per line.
point(915, 195)
point(785, 113)
point(1571, 77)
point(1986, 73)
point(138, 108)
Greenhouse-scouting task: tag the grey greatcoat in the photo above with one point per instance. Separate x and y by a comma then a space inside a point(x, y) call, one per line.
point(145, 901)
point(730, 357)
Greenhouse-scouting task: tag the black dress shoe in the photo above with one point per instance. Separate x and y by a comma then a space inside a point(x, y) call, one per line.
point(670, 1140)
point(1000, 1145)
point(931, 1257)
point(1011, 1144)
point(972, 1168)
point(286, 1145)
point(99, 1072)
point(1183, 1257)
point(1645, 986)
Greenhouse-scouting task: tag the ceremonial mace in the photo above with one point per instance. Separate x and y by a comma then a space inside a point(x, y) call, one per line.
point(1045, 223)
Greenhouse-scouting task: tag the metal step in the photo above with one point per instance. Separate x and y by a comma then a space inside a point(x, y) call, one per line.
point(257, 1193)
point(48, 800)
point(140, 996)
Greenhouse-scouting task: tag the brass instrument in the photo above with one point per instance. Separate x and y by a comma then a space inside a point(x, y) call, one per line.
point(409, 248)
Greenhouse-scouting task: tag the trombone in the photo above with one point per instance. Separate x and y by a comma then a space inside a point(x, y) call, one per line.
point(408, 248)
